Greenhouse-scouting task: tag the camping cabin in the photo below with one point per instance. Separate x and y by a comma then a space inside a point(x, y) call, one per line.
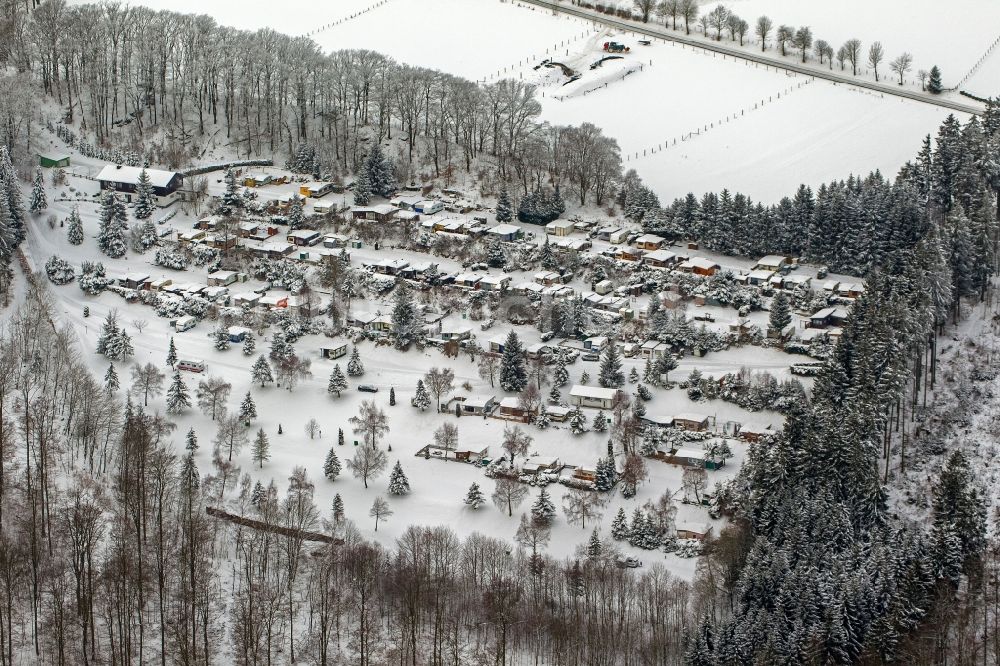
point(333, 350)
point(53, 160)
point(557, 413)
point(604, 287)
point(559, 228)
point(405, 202)
point(693, 530)
point(494, 282)
point(699, 266)
point(184, 323)
point(596, 397)
point(237, 334)
point(691, 422)
point(828, 317)
point(759, 277)
point(166, 185)
point(537, 350)
point(596, 344)
point(541, 464)
point(625, 253)
point(138, 281)
point(773, 263)
point(258, 179)
point(547, 278)
point(505, 232)
point(246, 299)
point(585, 474)
point(379, 213)
point(222, 278)
point(304, 237)
point(510, 408)
point(659, 259)
point(605, 233)
point(687, 458)
point(754, 432)
point(650, 242)
point(479, 405)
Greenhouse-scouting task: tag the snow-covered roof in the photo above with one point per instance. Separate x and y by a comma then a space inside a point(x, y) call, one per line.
point(690, 416)
point(303, 233)
point(494, 279)
point(690, 453)
point(529, 286)
point(560, 224)
point(479, 401)
point(760, 274)
point(700, 262)
point(380, 209)
point(503, 230)
point(598, 392)
point(823, 314)
point(650, 238)
point(510, 402)
point(772, 260)
point(126, 174)
point(660, 255)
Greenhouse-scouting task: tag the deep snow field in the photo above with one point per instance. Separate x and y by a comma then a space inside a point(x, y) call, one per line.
point(815, 132)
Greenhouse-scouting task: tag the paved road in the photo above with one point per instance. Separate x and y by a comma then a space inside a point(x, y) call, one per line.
point(720, 47)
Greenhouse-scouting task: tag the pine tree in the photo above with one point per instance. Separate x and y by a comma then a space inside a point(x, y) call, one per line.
point(619, 526)
point(543, 511)
point(144, 204)
point(398, 483)
point(331, 466)
point(561, 375)
point(513, 375)
point(11, 192)
point(171, 353)
point(633, 376)
point(594, 547)
point(934, 85)
point(248, 409)
point(113, 230)
point(258, 494)
point(606, 474)
point(261, 372)
point(475, 498)
point(111, 380)
point(74, 227)
point(643, 392)
point(191, 441)
point(178, 396)
point(611, 375)
point(504, 211)
point(38, 202)
point(555, 395)
point(577, 421)
point(405, 324)
point(340, 436)
point(585, 377)
point(338, 508)
point(543, 420)
point(338, 382)
point(392, 396)
point(221, 335)
point(355, 368)
point(261, 448)
point(663, 367)
point(296, 217)
point(362, 188)
point(781, 314)
point(280, 348)
point(637, 528)
point(600, 422)
point(249, 345)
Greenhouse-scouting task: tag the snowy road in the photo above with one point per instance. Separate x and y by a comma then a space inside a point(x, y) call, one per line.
point(718, 47)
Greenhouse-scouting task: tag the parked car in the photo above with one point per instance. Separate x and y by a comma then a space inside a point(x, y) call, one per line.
point(591, 357)
point(628, 562)
point(367, 388)
point(548, 335)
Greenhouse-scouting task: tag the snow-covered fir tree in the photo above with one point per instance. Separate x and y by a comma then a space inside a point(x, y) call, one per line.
point(555, 395)
point(781, 314)
point(144, 204)
point(296, 216)
point(249, 344)
point(280, 349)
point(338, 508)
point(504, 211)
point(178, 395)
point(261, 372)
point(38, 202)
point(475, 497)
point(585, 377)
point(112, 236)
point(606, 474)
point(74, 227)
point(248, 409)
point(355, 368)
point(543, 511)
point(191, 441)
point(221, 337)
point(421, 397)
point(392, 396)
point(513, 374)
point(595, 548)
point(381, 172)
point(600, 422)
point(643, 392)
point(633, 376)
point(560, 377)
point(362, 188)
point(543, 420)
point(577, 421)
point(398, 483)
point(619, 526)
point(406, 326)
point(331, 466)
point(111, 382)
point(338, 382)
point(611, 375)
point(231, 197)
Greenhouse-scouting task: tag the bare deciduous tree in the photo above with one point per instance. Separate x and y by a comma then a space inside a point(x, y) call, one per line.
point(582, 505)
point(367, 463)
point(508, 494)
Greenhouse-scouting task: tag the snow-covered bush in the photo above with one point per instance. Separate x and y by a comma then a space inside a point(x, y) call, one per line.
point(92, 280)
point(59, 271)
point(170, 259)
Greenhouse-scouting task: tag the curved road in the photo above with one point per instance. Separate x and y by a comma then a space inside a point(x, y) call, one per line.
point(719, 47)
